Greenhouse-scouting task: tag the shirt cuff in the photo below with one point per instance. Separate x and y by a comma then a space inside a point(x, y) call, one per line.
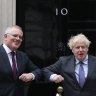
point(33, 76)
point(52, 77)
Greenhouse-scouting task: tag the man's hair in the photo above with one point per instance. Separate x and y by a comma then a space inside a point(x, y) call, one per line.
point(78, 38)
point(8, 30)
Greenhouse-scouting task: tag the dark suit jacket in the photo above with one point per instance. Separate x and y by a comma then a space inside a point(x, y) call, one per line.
point(65, 66)
point(9, 86)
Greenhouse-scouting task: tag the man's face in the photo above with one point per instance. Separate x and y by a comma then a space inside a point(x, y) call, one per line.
point(80, 50)
point(14, 38)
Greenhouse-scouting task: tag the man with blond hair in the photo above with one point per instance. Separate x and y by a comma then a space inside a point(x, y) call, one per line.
point(77, 72)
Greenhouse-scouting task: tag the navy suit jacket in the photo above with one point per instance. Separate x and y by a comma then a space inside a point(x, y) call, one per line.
point(65, 66)
point(9, 86)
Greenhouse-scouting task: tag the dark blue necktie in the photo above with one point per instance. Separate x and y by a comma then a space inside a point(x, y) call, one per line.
point(81, 75)
point(14, 64)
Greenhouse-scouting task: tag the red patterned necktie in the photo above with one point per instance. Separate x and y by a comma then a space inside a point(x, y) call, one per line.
point(14, 64)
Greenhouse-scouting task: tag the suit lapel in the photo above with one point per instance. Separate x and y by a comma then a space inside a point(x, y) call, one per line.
point(18, 58)
point(5, 59)
point(71, 65)
point(71, 68)
point(90, 67)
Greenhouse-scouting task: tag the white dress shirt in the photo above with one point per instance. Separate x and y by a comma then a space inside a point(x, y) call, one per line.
point(8, 51)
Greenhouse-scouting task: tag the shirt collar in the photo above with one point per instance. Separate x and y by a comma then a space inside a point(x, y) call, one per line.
point(6, 49)
point(85, 61)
